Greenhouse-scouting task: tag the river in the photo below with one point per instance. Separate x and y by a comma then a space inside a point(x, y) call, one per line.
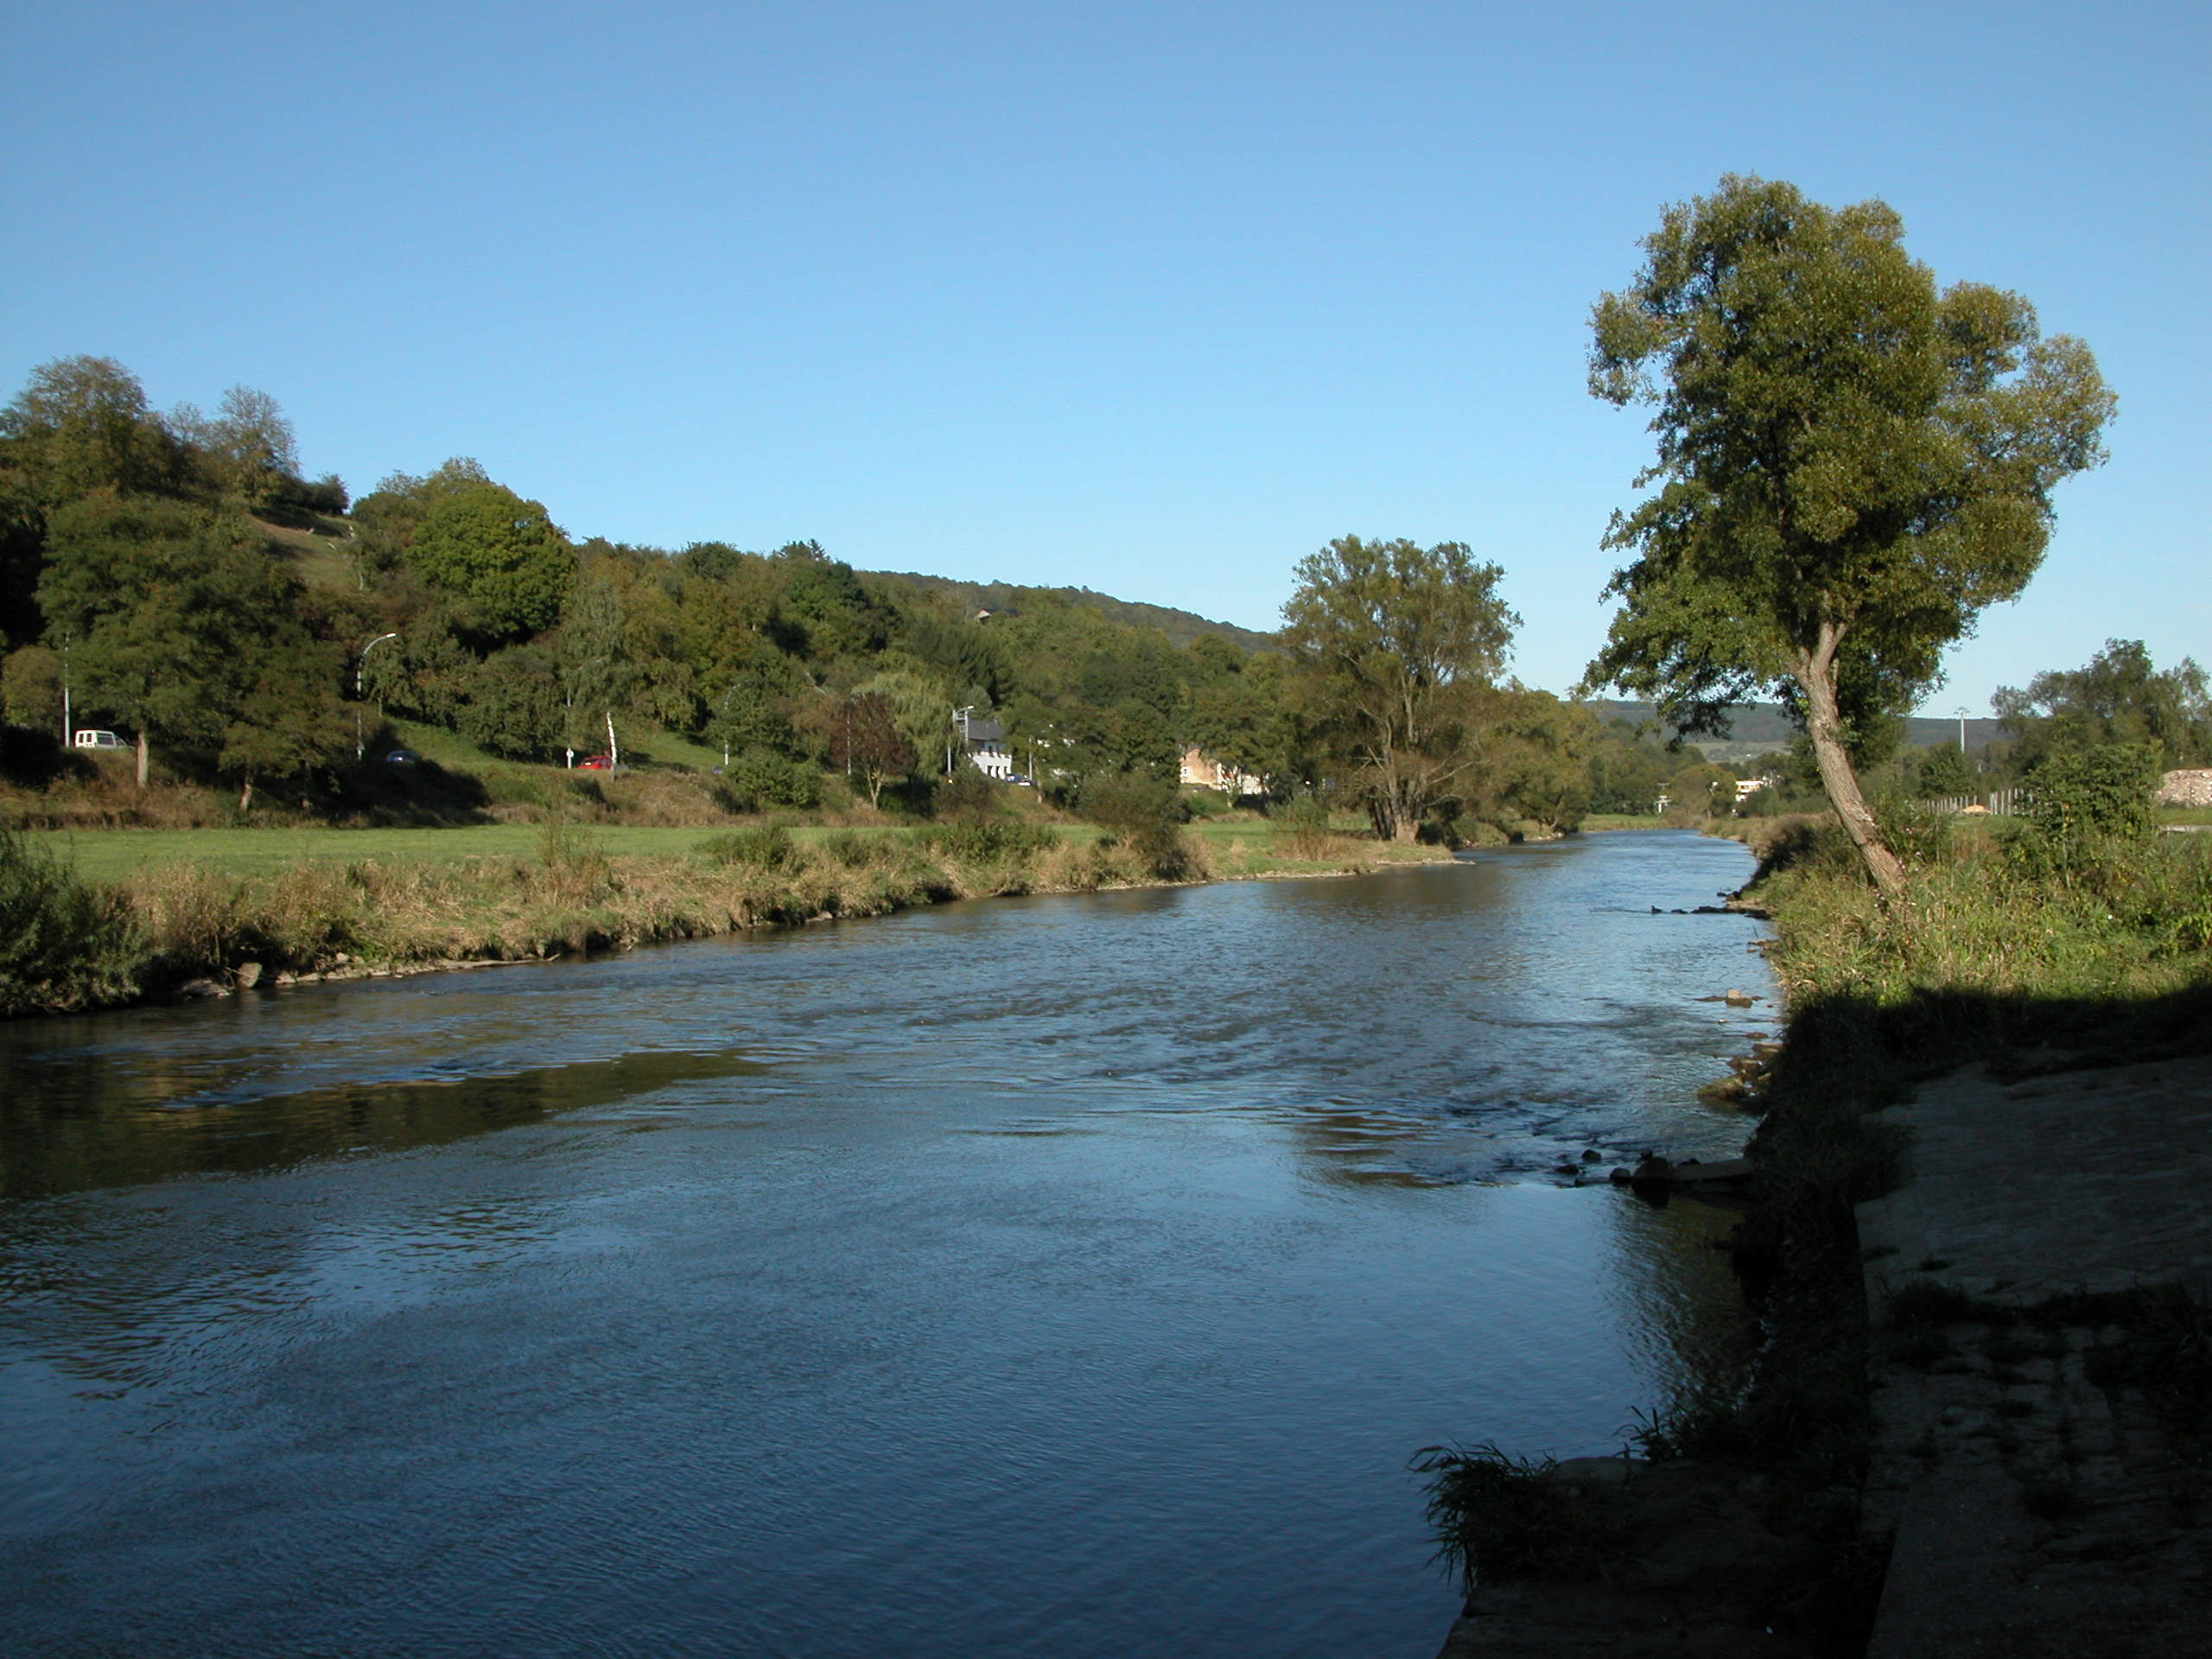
point(1056, 1276)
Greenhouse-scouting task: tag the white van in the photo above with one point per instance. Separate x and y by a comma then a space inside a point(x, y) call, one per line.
point(92, 740)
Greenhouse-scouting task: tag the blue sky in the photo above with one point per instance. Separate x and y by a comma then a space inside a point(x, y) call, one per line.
point(1150, 299)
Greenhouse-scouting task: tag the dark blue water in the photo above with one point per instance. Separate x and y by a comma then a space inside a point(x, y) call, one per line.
point(1059, 1276)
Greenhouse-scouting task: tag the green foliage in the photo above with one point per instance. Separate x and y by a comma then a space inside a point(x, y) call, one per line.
point(1397, 643)
point(1497, 1518)
point(247, 453)
point(30, 688)
point(501, 558)
point(2080, 795)
point(63, 946)
point(986, 843)
point(1146, 814)
point(179, 616)
point(1851, 466)
point(512, 704)
point(1943, 771)
point(1916, 831)
point(82, 426)
point(2119, 697)
point(1300, 828)
point(760, 777)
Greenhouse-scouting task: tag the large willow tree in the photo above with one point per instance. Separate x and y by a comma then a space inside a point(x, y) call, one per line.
point(1397, 645)
point(1851, 466)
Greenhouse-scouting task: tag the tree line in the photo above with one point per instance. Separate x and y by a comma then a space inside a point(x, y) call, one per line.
point(174, 576)
point(1852, 464)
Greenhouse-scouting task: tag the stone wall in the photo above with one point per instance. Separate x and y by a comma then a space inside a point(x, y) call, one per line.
point(2186, 788)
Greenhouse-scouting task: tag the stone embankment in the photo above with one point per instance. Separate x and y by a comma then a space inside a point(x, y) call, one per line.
point(2045, 1495)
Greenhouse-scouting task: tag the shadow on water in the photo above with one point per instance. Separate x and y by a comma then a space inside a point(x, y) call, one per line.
point(55, 1140)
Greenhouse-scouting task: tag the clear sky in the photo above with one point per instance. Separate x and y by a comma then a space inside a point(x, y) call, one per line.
point(1150, 299)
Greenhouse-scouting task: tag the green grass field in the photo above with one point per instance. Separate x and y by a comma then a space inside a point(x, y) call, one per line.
point(112, 854)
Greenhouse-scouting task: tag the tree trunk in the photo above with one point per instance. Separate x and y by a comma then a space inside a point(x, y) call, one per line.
point(1824, 725)
point(141, 757)
point(246, 793)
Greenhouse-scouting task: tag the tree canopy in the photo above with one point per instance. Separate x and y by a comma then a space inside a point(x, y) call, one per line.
point(1852, 465)
point(2118, 698)
point(1396, 642)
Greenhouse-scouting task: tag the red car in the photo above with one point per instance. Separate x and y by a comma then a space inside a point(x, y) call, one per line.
point(596, 763)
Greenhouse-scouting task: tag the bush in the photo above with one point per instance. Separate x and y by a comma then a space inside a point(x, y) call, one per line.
point(762, 777)
point(1299, 828)
point(577, 870)
point(1145, 815)
point(767, 846)
point(2079, 795)
point(1916, 831)
point(63, 946)
point(966, 794)
point(979, 843)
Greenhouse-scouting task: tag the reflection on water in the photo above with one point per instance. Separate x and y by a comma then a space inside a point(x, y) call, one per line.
point(1066, 1276)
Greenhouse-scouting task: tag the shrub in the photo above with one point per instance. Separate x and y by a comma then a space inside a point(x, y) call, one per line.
point(2080, 795)
point(1145, 815)
point(762, 777)
point(1299, 828)
point(576, 869)
point(981, 843)
point(63, 946)
point(1916, 831)
point(767, 846)
point(966, 794)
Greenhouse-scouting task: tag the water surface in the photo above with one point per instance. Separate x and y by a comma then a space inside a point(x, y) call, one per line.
point(1057, 1276)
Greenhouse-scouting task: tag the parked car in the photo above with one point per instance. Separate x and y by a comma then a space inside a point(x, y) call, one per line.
point(403, 758)
point(596, 763)
point(92, 739)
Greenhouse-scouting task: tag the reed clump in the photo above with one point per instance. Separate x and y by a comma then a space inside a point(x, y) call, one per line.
point(63, 946)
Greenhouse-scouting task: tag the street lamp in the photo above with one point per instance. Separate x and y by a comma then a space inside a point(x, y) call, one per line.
point(960, 715)
point(360, 667)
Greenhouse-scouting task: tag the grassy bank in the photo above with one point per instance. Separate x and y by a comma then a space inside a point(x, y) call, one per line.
point(102, 918)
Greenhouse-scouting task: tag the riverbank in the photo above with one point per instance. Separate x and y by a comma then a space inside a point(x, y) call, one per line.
point(232, 916)
point(1766, 1514)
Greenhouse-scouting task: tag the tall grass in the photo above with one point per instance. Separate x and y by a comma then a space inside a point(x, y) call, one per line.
point(63, 946)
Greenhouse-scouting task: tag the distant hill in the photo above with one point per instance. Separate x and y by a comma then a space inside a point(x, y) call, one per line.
point(1758, 728)
point(1180, 627)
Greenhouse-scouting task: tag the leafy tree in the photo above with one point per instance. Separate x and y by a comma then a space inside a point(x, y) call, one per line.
point(178, 613)
point(1629, 768)
point(1397, 643)
point(1851, 466)
point(248, 451)
point(82, 425)
point(2119, 697)
point(505, 561)
point(514, 706)
point(1536, 754)
point(1943, 770)
point(596, 674)
point(283, 716)
point(866, 741)
point(2082, 794)
point(921, 708)
point(30, 689)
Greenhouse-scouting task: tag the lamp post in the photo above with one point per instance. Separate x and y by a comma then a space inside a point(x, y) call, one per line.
point(360, 668)
point(960, 718)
